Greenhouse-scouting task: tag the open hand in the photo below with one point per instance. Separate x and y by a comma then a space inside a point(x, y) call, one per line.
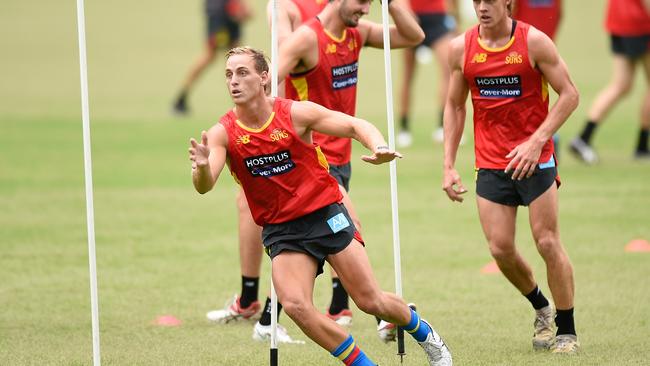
point(199, 152)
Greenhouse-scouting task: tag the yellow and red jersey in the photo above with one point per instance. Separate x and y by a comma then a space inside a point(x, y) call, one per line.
point(509, 96)
point(332, 83)
point(282, 176)
point(309, 8)
point(542, 14)
point(428, 6)
point(627, 18)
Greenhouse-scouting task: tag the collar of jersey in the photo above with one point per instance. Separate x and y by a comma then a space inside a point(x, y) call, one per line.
point(255, 130)
point(496, 49)
point(334, 38)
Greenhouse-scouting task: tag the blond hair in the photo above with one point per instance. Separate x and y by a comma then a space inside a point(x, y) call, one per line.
point(260, 59)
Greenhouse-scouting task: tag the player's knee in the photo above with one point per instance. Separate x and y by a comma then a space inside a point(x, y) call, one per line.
point(548, 246)
point(502, 250)
point(370, 304)
point(296, 309)
point(623, 89)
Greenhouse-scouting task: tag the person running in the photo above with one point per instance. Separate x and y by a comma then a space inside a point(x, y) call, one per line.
point(267, 144)
point(223, 19)
point(439, 26)
point(505, 65)
point(628, 24)
point(291, 13)
point(319, 62)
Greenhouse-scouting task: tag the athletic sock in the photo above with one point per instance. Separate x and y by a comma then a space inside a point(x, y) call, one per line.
point(351, 355)
point(537, 298)
point(589, 129)
point(417, 328)
point(404, 123)
point(249, 288)
point(339, 297)
point(265, 319)
point(564, 322)
point(642, 146)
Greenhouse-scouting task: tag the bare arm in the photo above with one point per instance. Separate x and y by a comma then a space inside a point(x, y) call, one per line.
point(208, 158)
point(308, 116)
point(404, 33)
point(546, 58)
point(454, 119)
point(297, 52)
point(288, 20)
point(647, 5)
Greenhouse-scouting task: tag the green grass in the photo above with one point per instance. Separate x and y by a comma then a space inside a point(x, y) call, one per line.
point(163, 249)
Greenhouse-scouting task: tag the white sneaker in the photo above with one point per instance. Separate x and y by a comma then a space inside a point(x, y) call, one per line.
point(583, 151)
point(342, 318)
point(436, 349)
point(233, 311)
point(544, 336)
point(386, 331)
point(438, 136)
point(404, 139)
point(262, 333)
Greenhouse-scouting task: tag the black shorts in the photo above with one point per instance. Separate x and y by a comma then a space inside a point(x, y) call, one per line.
point(631, 47)
point(435, 26)
point(496, 186)
point(223, 32)
point(323, 232)
point(342, 174)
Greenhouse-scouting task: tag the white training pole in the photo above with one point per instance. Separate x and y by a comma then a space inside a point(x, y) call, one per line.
point(393, 164)
point(274, 93)
point(90, 217)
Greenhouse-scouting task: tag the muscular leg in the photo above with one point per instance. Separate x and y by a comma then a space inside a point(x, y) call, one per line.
point(200, 64)
point(498, 223)
point(544, 226)
point(354, 270)
point(293, 278)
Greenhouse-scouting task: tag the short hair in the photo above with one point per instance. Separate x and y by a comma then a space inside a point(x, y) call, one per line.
point(260, 59)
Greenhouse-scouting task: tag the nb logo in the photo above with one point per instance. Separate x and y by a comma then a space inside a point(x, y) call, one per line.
point(338, 222)
point(479, 58)
point(331, 48)
point(243, 139)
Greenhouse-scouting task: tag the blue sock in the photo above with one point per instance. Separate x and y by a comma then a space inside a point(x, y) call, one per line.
point(417, 328)
point(351, 355)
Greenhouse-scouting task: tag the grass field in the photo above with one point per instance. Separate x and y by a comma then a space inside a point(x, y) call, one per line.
point(164, 249)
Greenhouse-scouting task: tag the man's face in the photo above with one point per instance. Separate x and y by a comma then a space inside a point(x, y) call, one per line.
point(351, 11)
point(490, 12)
point(244, 82)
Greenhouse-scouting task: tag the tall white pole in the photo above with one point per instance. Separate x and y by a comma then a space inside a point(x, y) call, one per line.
point(90, 216)
point(274, 93)
point(393, 164)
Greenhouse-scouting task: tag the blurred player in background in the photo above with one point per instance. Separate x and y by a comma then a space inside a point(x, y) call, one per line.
point(544, 15)
point(505, 66)
point(438, 19)
point(223, 20)
point(628, 24)
point(268, 147)
point(320, 61)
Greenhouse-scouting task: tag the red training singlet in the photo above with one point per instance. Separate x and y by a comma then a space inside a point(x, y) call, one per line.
point(283, 177)
point(509, 96)
point(541, 14)
point(332, 83)
point(627, 18)
point(428, 6)
point(309, 8)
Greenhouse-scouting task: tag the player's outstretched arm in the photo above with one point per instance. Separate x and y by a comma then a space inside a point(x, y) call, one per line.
point(208, 158)
point(308, 116)
point(454, 120)
point(406, 31)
